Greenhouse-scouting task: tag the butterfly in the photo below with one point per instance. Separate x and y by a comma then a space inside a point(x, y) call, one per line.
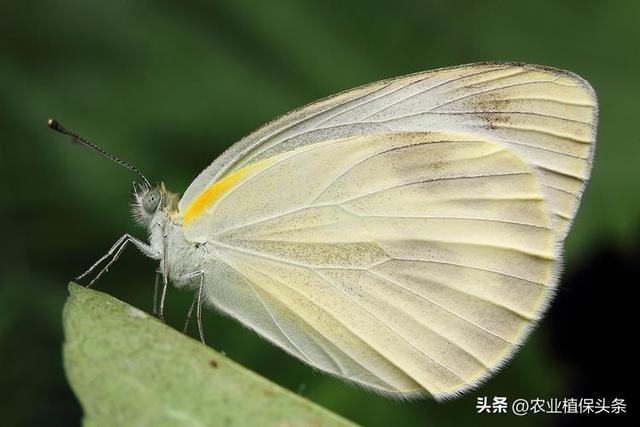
point(405, 235)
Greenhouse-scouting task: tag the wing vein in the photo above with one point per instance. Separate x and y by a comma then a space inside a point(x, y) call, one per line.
point(285, 156)
point(552, 100)
point(501, 221)
point(453, 264)
point(300, 209)
point(336, 363)
point(537, 147)
point(482, 92)
point(363, 160)
point(563, 173)
point(444, 285)
point(346, 110)
point(422, 181)
point(545, 132)
point(388, 327)
point(528, 113)
point(310, 116)
point(430, 301)
point(273, 318)
point(337, 320)
point(422, 92)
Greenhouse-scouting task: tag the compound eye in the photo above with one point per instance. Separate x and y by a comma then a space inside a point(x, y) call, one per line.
point(150, 201)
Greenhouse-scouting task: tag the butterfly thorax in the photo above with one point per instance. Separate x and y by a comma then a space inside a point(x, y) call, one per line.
point(157, 209)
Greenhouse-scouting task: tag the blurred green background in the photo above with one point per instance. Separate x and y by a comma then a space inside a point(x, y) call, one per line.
point(169, 85)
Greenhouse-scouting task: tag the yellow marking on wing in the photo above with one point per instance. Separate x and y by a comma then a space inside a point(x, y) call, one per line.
point(213, 192)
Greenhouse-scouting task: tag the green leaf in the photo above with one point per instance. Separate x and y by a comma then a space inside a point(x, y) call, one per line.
point(128, 368)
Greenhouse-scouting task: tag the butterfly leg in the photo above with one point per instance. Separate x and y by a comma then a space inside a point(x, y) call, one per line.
point(199, 309)
point(115, 246)
point(164, 266)
point(197, 302)
point(189, 314)
point(114, 253)
point(155, 293)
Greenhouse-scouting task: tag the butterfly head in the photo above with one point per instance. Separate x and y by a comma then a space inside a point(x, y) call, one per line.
point(147, 202)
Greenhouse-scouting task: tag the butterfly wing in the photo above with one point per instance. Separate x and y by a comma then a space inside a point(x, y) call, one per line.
point(402, 235)
point(408, 263)
point(544, 115)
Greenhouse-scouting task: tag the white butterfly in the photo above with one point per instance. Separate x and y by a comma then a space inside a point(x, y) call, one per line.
point(404, 235)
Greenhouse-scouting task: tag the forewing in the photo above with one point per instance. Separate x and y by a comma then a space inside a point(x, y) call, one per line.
point(408, 263)
point(545, 116)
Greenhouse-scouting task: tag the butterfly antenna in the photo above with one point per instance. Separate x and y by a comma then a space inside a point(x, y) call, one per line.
point(53, 124)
